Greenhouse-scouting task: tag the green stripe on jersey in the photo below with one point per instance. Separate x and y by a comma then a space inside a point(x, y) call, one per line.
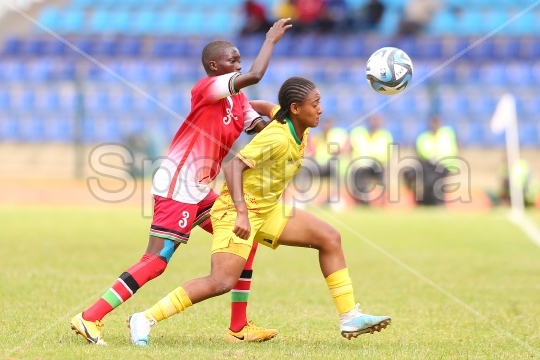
point(239, 296)
point(112, 299)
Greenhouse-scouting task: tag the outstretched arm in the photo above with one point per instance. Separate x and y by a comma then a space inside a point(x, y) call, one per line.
point(233, 176)
point(256, 73)
point(263, 107)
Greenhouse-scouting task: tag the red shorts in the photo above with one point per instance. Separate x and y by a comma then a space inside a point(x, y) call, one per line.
point(174, 220)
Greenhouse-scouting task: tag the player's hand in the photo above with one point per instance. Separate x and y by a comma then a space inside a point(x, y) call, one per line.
point(277, 30)
point(242, 228)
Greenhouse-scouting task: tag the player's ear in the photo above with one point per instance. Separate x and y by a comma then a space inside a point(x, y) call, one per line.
point(294, 109)
point(212, 65)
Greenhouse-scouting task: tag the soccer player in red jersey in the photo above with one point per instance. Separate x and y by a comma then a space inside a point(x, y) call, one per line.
point(182, 196)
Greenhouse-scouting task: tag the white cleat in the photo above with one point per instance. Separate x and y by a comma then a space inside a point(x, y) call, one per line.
point(139, 328)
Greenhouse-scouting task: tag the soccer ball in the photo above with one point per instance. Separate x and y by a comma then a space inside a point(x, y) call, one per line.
point(389, 70)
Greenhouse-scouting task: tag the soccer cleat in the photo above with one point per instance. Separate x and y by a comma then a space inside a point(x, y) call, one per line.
point(251, 333)
point(89, 330)
point(139, 328)
point(362, 324)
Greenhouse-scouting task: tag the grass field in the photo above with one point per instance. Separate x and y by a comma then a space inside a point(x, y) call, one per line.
point(56, 261)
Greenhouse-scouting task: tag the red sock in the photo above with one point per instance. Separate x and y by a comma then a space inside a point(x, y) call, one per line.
point(148, 268)
point(240, 293)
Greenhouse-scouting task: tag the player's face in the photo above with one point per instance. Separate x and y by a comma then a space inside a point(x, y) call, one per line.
point(310, 110)
point(229, 61)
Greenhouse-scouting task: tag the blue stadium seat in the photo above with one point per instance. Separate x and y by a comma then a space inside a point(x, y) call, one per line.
point(519, 74)
point(12, 46)
point(407, 44)
point(529, 133)
point(122, 22)
point(34, 47)
point(72, 22)
point(389, 23)
point(107, 128)
point(192, 23)
point(443, 23)
point(167, 23)
point(101, 21)
point(352, 46)
point(506, 48)
point(5, 99)
point(483, 50)
point(96, 100)
point(428, 48)
point(492, 20)
point(32, 127)
point(49, 17)
point(9, 127)
point(469, 23)
point(59, 128)
point(142, 23)
point(525, 25)
point(327, 46)
point(492, 74)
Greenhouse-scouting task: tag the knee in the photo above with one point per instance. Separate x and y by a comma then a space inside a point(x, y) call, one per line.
point(222, 285)
point(155, 265)
point(331, 238)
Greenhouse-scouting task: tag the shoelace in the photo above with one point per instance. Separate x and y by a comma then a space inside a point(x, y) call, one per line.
point(358, 308)
point(252, 326)
point(99, 324)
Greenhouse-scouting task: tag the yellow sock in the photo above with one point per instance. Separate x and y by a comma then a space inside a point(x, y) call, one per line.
point(174, 303)
point(340, 285)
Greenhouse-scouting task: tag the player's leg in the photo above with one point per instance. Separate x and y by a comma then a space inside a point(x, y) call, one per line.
point(303, 229)
point(166, 234)
point(239, 326)
point(229, 255)
point(225, 271)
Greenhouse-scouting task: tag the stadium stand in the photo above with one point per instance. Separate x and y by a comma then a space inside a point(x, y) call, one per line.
point(45, 85)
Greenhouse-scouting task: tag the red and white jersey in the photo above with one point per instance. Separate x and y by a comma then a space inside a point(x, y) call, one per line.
point(217, 117)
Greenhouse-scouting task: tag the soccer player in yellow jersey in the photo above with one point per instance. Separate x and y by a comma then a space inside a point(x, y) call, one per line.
point(249, 209)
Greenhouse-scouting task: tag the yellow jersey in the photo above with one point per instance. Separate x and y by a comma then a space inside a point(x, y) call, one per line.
point(274, 157)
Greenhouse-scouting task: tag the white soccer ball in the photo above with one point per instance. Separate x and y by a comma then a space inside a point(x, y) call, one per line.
point(389, 70)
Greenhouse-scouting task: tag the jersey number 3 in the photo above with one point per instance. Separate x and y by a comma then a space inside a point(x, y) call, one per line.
point(183, 222)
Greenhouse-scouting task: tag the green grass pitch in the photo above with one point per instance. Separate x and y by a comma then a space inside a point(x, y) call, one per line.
point(425, 269)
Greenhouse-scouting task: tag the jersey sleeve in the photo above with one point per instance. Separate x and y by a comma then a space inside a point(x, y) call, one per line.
point(274, 111)
point(268, 145)
point(251, 117)
point(219, 87)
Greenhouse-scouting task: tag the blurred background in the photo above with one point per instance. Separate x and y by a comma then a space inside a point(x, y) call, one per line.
point(57, 103)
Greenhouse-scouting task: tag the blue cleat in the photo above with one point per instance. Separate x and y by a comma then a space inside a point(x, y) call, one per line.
point(362, 324)
point(139, 328)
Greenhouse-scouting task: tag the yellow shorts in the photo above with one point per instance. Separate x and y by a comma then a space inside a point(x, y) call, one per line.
point(265, 229)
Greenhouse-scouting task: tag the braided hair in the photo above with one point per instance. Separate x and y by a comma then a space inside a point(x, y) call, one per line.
point(293, 90)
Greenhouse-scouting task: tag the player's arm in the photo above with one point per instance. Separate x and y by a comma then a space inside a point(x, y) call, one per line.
point(256, 73)
point(263, 107)
point(255, 123)
point(234, 171)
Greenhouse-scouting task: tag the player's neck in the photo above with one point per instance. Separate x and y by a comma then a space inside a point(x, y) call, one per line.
point(298, 129)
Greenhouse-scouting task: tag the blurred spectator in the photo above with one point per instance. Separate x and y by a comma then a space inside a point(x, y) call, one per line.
point(309, 14)
point(370, 15)
point(437, 145)
point(287, 9)
point(416, 15)
point(521, 175)
point(335, 16)
point(370, 156)
point(256, 21)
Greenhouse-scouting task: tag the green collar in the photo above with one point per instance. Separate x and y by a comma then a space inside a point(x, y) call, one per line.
point(291, 128)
